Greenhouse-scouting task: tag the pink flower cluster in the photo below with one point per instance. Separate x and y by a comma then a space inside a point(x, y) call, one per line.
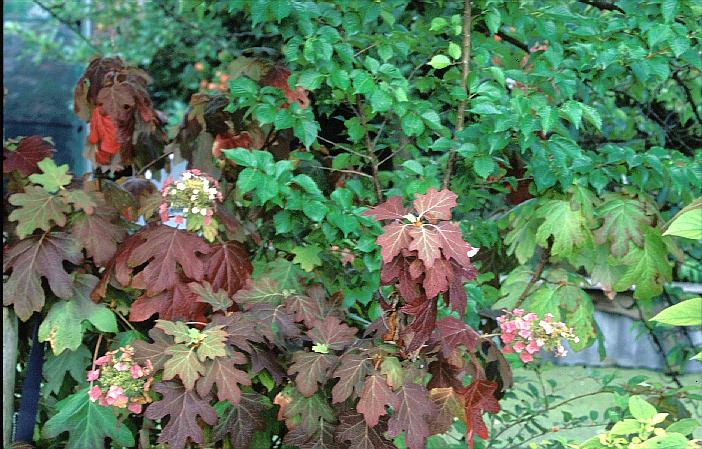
point(119, 381)
point(525, 334)
point(194, 195)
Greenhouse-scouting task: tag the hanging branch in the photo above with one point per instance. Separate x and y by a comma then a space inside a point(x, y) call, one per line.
point(371, 150)
point(461, 115)
point(71, 26)
point(537, 274)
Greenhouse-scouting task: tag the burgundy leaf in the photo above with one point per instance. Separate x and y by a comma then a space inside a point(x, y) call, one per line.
point(259, 291)
point(156, 351)
point(452, 244)
point(376, 395)
point(274, 323)
point(392, 209)
point(332, 333)
point(28, 152)
point(435, 205)
point(354, 430)
point(449, 405)
point(444, 375)
point(177, 303)
point(228, 267)
point(453, 332)
point(351, 372)
point(427, 243)
point(312, 370)
point(322, 438)
point(183, 407)
point(240, 329)
point(306, 309)
point(438, 278)
point(399, 269)
point(412, 416)
point(419, 331)
point(265, 359)
point(222, 372)
point(479, 397)
point(394, 238)
point(242, 420)
point(98, 234)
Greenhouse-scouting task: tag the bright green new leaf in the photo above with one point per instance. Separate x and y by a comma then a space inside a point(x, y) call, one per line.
point(53, 177)
point(567, 226)
point(37, 209)
point(641, 409)
point(688, 222)
point(307, 256)
point(440, 62)
point(685, 313)
point(87, 424)
point(484, 166)
point(647, 268)
point(454, 50)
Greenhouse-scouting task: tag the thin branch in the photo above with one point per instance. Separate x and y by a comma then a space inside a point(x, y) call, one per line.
point(71, 26)
point(688, 94)
point(150, 164)
point(509, 39)
point(371, 150)
point(461, 115)
point(659, 345)
point(537, 275)
point(354, 172)
point(344, 147)
point(603, 5)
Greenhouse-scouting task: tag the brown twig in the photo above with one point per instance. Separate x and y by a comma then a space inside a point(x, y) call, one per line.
point(537, 275)
point(150, 164)
point(461, 115)
point(688, 94)
point(371, 150)
point(603, 5)
point(75, 30)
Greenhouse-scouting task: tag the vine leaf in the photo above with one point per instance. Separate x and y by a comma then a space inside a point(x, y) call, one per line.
point(183, 407)
point(355, 430)
point(87, 424)
point(166, 248)
point(412, 416)
point(63, 327)
point(376, 395)
point(53, 177)
point(25, 155)
point(479, 397)
point(332, 333)
point(219, 300)
point(312, 370)
point(222, 372)
point(240, 421)
point(37, 209)
point(30, 260)
point(352, 370)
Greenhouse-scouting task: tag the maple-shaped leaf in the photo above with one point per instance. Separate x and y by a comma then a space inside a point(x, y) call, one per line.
point(184, 363)
point(63, 325)
point(241, 331)
point(53, 177)
point(259, 291)
point(435, 205)
point(444, 374)
point(567, 226)
point(412, 416)
point(81, 200)
point(219, 300)
point(352, 371)
point(427, 242)
point(24, 155)
point(354, 430)
point(438, 278)
point(393, 240)
point(87, 424)
point(242, 420)
point(223, 373)
point(418, 332)
point(478, 398)
point(274, 323)
point(97, 233)
point(394, 372)
point(265, 359)
point(647, 268)
point(37, 209)
point(156, 351)
point(56, 368)
point(449, 405)
point(332, 333)
point(624, 219)
point(392, 209)
point(453, 332)
point(30, 260)
point(456, 294)
point(178, 303)
point(211, 342)
point(165, 249)
point(322, 438)
point(183, 407)
point(452, 244)
point(308, 411)
point(307, 309)
point(312, 369)
point(399, 269)
point(228, 267)
point(376, 395)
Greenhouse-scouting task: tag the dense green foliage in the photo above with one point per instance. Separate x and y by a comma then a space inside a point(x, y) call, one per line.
point(560, 137)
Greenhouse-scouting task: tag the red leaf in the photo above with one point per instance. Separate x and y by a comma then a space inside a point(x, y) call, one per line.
point(156, 351)
point(427, 243)
point(183, 406)
point(449, 405)
point(312, 369)
point(453, 332)
point(242, 420)
point(28, 152)
point(278, 77)
point(274, 323)
point(376, 395)
point(444, 375)
point(355, 430)
point(306, 309)
point(97, 233)
point(222, 372)
point(166, 248)
point(399, 269)
point(103, 134)
point(435, 205)
point(241, 331)
point(392, 209)
point(412, 416)
point(479, 397)
point(31, 259)
point(419, 331)
point(452, 244)
point(393, 240)
point(332, 333)
point(351, 372)
point(180, 302)
point(228, 267)
point(437, 278)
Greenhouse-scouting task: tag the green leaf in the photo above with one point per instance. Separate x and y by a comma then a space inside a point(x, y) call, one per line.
point(641, 409)
point(567, 226)
point(412, 124)
point(241, 156)
point(573, 112)
point(684, 426)
point(647, 268)
point(413, 166)
point(37, 209)
point(87, 424)
point(624, 219)
point(484, 166)
point(440, 62)
point(308, 185)
point(549, 117)
point(687, 223)
point(56, 367)
point(438, 23)
point(626, 427)
point(592, 116)
point(243, 87)
point(454, 50)
point(685, 313)
point(53, 178)
point(667, 441)
point(307, 256)
point(315, 210)
point(380, 100)
point(63, 325)
point(493, 19)
point(306, 131)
